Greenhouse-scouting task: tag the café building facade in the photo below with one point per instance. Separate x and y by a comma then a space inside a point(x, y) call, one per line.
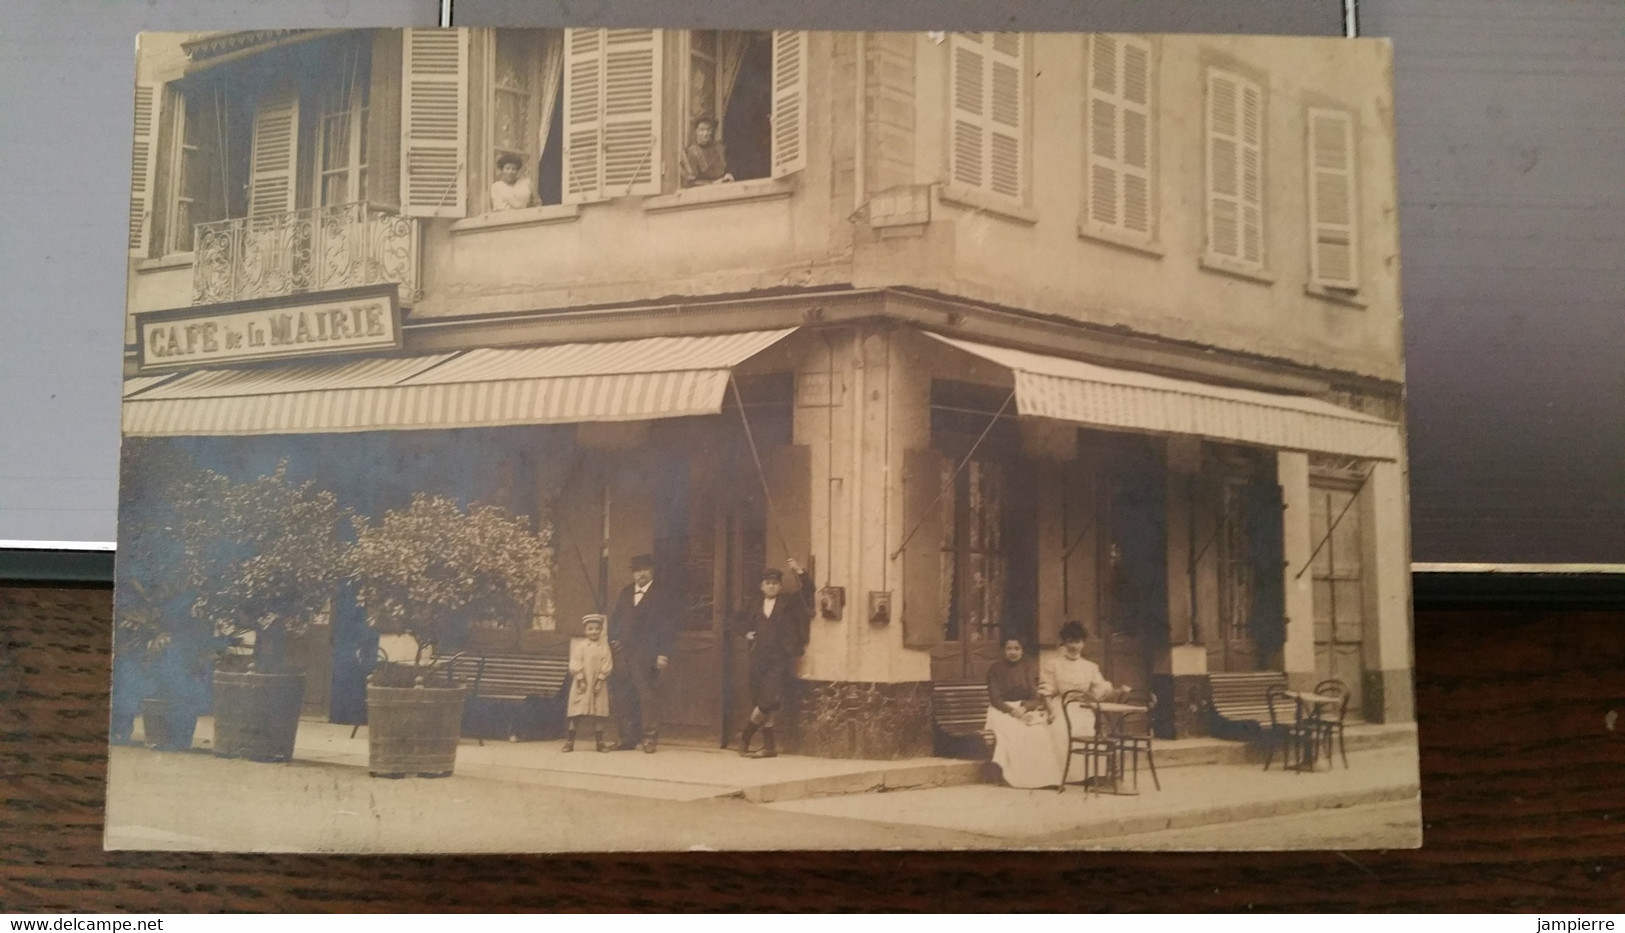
point(992, 330)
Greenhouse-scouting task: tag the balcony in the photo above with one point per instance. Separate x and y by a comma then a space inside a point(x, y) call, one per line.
point(311, 250)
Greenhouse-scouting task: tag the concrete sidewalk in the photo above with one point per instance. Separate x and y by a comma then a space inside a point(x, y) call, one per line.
point(675, 772)
point(1191, 796)
point(1204, 781)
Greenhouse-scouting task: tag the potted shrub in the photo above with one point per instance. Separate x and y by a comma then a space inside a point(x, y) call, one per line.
point(162, 653)
point(432, 571)
point(264, 557)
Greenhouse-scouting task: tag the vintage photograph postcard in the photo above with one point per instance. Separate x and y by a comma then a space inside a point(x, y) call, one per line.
point(633, 439)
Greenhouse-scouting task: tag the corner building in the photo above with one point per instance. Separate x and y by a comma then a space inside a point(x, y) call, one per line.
point(998, 330)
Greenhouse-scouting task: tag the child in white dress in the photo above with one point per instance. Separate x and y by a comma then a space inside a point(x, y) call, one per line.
point(590, 664)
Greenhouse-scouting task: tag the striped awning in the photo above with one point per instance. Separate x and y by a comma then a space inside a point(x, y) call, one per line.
point(1100, 396)
point(630, 380)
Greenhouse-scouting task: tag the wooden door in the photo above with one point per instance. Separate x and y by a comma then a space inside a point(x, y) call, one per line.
point(1133, 556)
point(1339, 587)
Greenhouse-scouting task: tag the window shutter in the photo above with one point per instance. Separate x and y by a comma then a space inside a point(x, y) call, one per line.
point(1266, 558)
point(988, 113)
point(274, 165)
point(631, 112)
point(1007, 116)
point(925, 473)
point(1235, 168)
point(1119, 132)
point(789, 102)
point(434, 123)
point(1252, 174)
point(1331, 199)
point(968, 147)
point(583, 115)
point(141, 165)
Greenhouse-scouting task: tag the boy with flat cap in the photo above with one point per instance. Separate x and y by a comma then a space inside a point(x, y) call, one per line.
point(643, 633)
point(775, 625)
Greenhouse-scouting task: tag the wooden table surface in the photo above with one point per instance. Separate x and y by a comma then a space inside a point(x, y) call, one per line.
point(1523, 783)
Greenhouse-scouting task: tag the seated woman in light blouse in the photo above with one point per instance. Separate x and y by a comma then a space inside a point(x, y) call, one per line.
point(1067, 671)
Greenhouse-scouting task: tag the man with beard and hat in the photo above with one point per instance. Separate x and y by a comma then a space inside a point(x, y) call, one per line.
point(643, 634)
point(775, 625)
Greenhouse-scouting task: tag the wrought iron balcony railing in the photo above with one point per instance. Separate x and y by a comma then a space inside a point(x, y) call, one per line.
point(310, 250)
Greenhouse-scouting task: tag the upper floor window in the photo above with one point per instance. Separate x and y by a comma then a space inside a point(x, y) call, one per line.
point(727, 118)
point(1235, 172)
point(988, 133)
point(1333, 226)
point(262, 139)
point(1120, 185)
point(341, 137)
point(737, 109)
point(524, 104)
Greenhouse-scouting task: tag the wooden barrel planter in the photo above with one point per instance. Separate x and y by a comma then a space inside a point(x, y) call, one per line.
point(256, 716)
point(165, 725)
point(412, 729)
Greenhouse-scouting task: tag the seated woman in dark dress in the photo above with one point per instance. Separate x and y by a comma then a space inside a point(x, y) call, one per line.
point(1019, 720)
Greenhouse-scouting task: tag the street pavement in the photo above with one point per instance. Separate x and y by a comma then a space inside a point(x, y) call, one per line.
point(530, 797)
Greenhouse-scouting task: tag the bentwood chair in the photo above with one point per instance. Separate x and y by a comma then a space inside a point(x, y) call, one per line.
point(1099, 752)
point(1285, 730)
point(1328, 725)
point(1133, 737)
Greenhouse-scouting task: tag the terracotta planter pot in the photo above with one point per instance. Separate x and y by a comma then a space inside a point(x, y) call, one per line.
point(413, 730)
point(256, 716)
point(166, 725)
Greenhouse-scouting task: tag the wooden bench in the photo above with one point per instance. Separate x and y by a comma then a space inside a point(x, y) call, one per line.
point(511, 680)
point(1238, 707)
point(959, 711)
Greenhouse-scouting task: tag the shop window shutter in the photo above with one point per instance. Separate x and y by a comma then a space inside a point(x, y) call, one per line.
point(788, 471)
point(789, 102)
point(1266, 558)
point(968, 110)
point(1331, 199)
point(925, 472)
point(142, 158)
point(273, 168)
point(583, 115)
point(631, 121)
point(434, 123)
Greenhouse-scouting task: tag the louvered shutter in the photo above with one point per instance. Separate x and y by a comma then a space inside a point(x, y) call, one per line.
point(1331, 199)
point(583, 115)
point(141, 165)
point(434, 122)
point(968, 119)
point(789, 102)
point(987, 113)
point(1235, 168)
point(1006, 116)
point(925, 563)
point(631, 112)
point(1119, 131)
point(272, 176)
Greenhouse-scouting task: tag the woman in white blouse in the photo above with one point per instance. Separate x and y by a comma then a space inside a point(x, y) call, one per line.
point(1066, 671)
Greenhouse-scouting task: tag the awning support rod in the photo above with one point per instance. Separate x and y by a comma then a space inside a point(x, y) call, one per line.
point(1333, 526)
point(957, 470)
